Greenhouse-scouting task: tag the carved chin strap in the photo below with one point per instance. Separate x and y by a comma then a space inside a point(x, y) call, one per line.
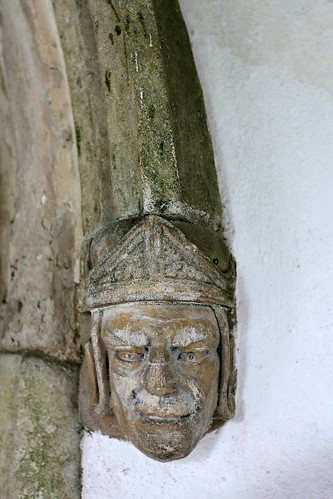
point(155, 262)
point(97, 365)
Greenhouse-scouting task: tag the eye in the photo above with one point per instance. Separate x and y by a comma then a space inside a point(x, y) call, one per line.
point(192, 357)
point(129, 356)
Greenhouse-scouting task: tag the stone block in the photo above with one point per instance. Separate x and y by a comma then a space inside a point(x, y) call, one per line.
point(39, 443)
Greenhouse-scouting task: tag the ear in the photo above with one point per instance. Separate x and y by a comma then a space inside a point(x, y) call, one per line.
point(226, 403)
point(96, 363)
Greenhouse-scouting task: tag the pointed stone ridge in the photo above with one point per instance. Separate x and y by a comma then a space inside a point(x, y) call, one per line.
point(143, 142)
point(154, 261)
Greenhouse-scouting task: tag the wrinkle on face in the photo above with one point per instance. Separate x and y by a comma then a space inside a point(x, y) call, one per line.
point(164, 373)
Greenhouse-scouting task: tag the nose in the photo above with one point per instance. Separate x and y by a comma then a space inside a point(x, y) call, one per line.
point(160, 380)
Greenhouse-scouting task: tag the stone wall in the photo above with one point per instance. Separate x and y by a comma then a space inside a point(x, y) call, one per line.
point(40, 237)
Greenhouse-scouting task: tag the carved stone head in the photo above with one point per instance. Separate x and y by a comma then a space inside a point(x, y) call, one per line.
point(159, 363)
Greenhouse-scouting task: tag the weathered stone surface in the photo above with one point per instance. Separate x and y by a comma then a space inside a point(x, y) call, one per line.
point(159, 365)
point(39, 441)
point(77, 34)
point(156, 262)
point(40, 228)
point(143, 142)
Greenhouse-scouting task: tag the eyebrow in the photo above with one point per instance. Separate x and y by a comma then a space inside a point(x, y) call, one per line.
point(127, 337)
point(190, 336)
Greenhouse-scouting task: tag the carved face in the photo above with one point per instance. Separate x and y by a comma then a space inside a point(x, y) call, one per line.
point(164, 374)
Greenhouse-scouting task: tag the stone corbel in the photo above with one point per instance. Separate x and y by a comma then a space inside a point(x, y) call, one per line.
point(158, 276)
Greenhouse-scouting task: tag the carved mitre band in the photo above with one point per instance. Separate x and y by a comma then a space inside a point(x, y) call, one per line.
point(154, 261)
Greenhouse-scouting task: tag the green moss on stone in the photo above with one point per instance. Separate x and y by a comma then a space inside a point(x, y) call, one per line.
point(109, 2)
point(108, 80)
point(78, 138)
point(46, 461)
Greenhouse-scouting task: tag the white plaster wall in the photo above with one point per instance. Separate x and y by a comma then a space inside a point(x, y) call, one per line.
point(266, 68)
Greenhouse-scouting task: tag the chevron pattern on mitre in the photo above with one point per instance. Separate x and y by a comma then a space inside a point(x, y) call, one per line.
point(184, 261)
point(125, 263)
point(154, 259)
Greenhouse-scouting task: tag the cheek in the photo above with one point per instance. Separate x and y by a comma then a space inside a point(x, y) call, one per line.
point(123, 382)
point(202, 378)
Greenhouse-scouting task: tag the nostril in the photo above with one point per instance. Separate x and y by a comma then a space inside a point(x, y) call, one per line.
point(196, 407)
point(134, 394)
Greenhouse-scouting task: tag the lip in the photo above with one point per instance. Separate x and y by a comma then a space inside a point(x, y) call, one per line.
point(166, 420)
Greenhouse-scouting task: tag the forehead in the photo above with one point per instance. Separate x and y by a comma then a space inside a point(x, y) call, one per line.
point(166, 318)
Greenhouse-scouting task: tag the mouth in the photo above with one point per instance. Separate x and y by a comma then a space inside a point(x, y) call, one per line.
point(166, 420)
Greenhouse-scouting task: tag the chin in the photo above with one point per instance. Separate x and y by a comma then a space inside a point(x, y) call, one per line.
point(165, 439)
point(164, 450)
